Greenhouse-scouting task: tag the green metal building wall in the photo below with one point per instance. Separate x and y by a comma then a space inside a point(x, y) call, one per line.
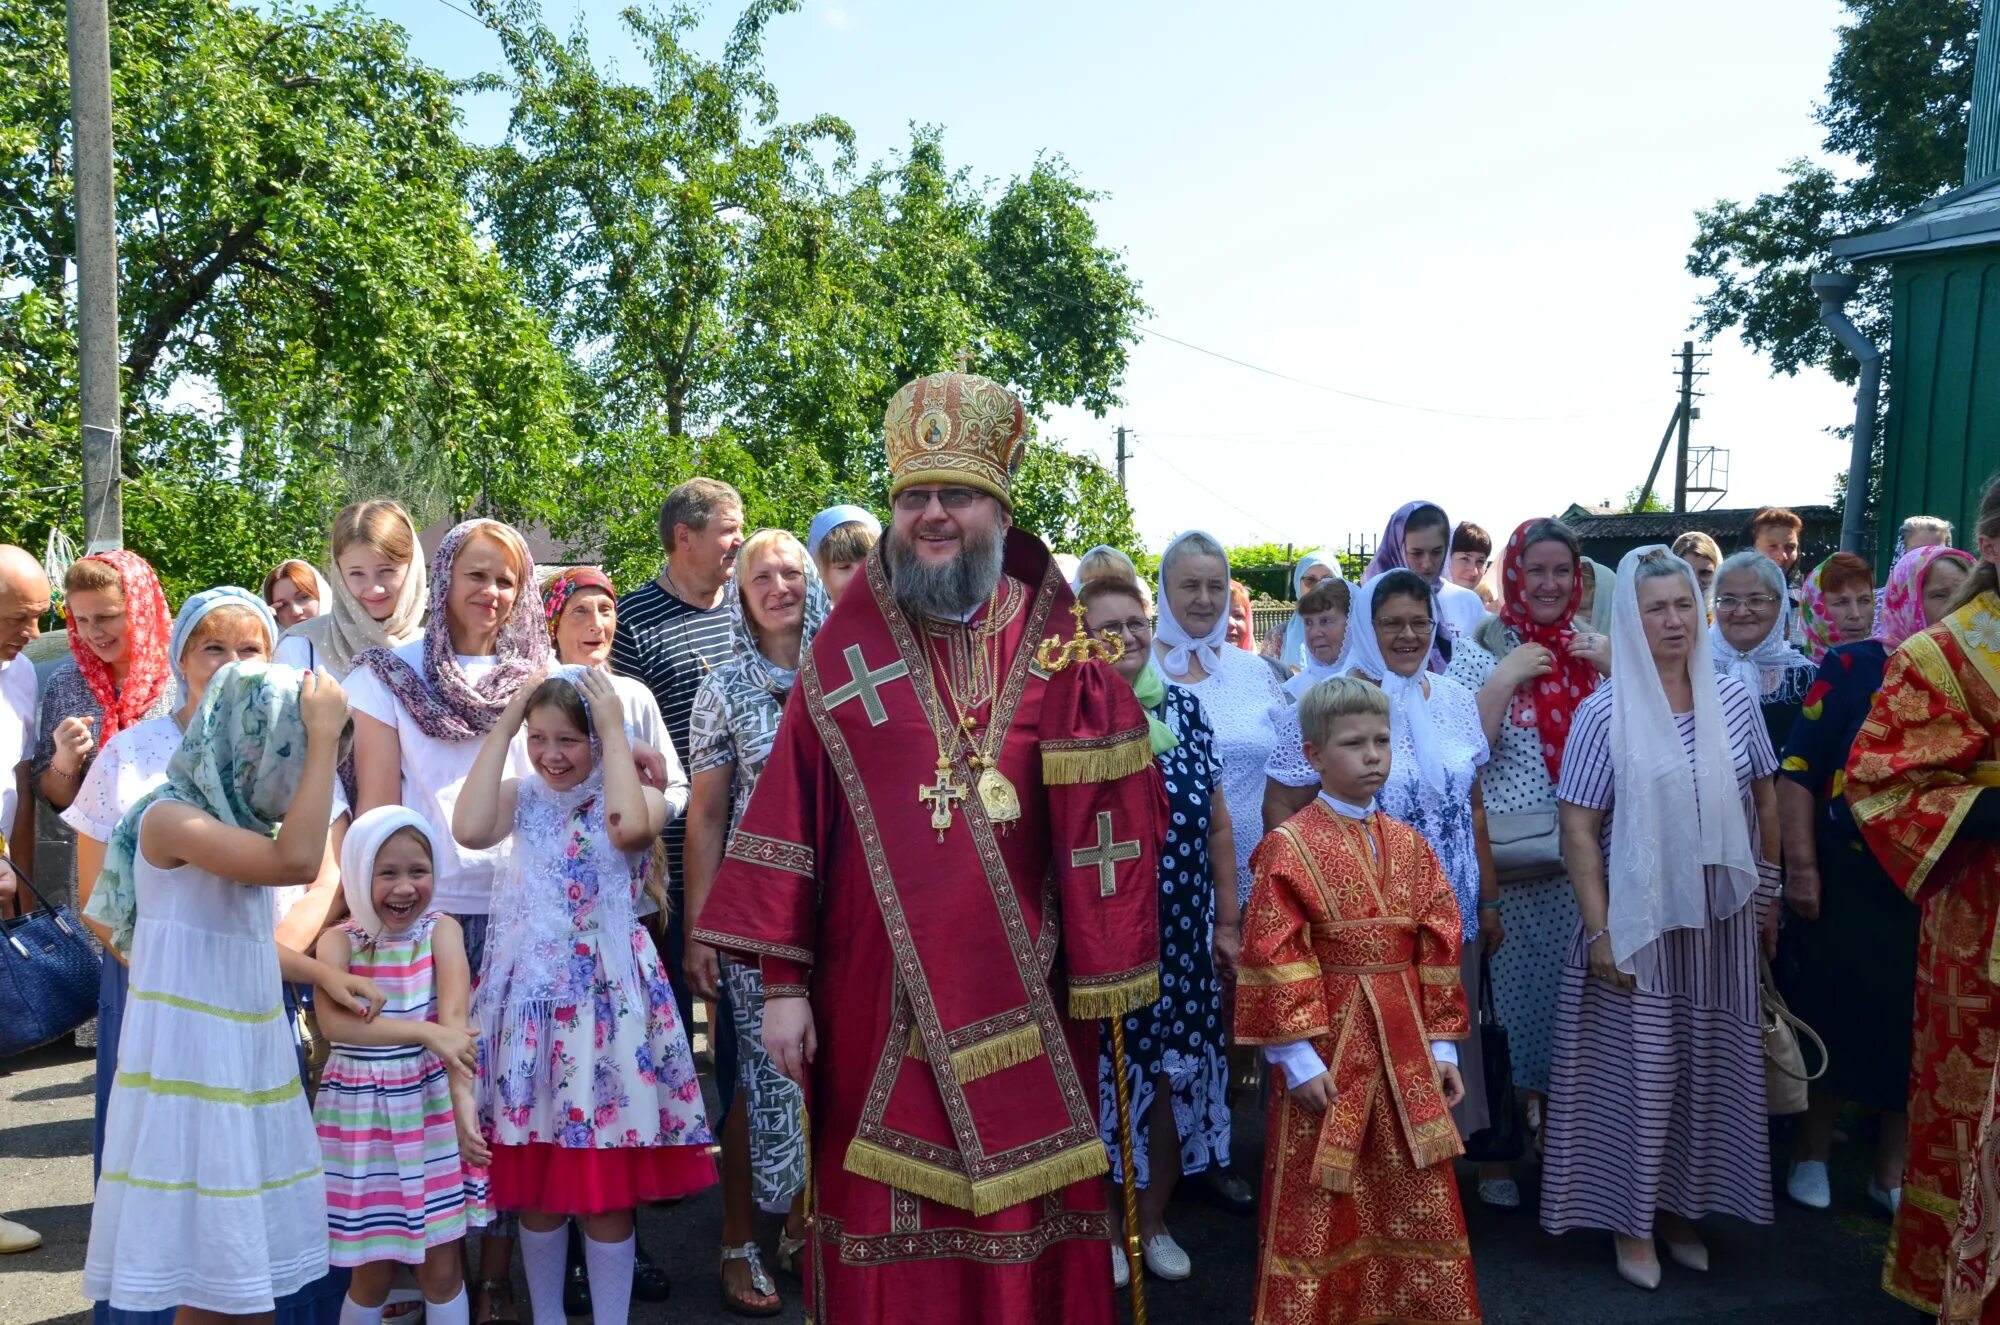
point(1943, 438)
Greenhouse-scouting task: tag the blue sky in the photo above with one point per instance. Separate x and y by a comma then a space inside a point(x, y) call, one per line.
point(1471, 207)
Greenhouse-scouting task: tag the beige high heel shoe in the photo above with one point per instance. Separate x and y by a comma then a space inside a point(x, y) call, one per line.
point(1639, 1273)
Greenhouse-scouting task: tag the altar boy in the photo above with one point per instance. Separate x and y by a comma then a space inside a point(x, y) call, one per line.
point(1349, 978)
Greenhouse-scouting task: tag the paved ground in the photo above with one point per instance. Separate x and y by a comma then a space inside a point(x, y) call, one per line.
point(1809, 1269)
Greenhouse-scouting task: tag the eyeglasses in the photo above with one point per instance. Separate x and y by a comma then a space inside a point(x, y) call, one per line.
point(1756, 602)
point(1414, 626)
point(913, 500)
point(1130, 628)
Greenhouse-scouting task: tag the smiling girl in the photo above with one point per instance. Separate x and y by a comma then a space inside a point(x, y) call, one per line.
point(588, 1092)
point(377, 594)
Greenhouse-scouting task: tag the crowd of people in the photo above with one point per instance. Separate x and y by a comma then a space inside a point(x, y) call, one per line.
point(409, 871)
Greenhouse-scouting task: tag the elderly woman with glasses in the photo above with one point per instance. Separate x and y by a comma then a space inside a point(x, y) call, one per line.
point(1749, 640)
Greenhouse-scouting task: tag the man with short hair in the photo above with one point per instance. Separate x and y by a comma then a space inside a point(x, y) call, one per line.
point(1924, 531)
point(671, 631)
point(1775, 532)
point(24, 600)
point(948, 875)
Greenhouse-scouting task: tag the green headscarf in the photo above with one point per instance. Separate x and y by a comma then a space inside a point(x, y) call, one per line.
point(240, 760)
point(1151, 688)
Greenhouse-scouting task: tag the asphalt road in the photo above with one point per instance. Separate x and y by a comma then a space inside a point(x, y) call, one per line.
point(1811, 1268)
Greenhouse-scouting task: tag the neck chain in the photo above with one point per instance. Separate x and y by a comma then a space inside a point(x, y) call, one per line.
point(997, 793)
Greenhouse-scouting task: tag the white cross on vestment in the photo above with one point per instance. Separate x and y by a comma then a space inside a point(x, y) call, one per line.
point(864, 683)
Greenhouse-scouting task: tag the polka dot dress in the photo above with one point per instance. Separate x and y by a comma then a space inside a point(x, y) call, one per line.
point(1539, 916)
point(1180, 1037)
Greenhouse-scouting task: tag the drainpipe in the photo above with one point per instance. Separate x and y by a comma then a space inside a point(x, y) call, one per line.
point(1834, 290)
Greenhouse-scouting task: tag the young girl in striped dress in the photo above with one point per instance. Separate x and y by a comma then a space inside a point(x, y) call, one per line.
point(398, 1130)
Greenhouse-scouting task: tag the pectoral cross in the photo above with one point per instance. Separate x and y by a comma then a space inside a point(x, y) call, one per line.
point(1957, 1002)
point(940, 798)
point(1105, 855)
point(1960, 1149)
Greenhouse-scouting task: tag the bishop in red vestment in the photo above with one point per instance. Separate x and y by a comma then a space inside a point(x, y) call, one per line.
point(950, 859)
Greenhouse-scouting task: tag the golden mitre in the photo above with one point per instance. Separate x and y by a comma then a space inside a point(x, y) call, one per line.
point(955, 428)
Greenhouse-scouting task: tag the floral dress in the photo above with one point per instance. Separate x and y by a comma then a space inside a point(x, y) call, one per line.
point(1180, 1037)
point(587, 1088)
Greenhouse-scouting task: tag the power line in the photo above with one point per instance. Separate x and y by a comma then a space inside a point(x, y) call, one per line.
point(467, 12)
point(1257, 520)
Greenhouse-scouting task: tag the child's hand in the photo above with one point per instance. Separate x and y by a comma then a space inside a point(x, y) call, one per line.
point(457, 1046)
point(1450, 1083)
point(1225, 948)
point(472, 1147)
point(516, 711)
point(607, 712)
point(357, 993)
point(1316, 1095)
point(322, 706)
point(652, 766)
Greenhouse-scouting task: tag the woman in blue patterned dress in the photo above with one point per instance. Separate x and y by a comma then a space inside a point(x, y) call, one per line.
point(1176, 1072)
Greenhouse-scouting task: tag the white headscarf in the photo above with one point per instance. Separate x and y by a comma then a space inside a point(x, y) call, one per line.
point(1311, 670)
point(1409, 698)
point(1774, 653)
point(832, 518)
point(1182, 646)
point(1294, 653)
point(1672, 821)
point(365, 837)
point(1076, 577)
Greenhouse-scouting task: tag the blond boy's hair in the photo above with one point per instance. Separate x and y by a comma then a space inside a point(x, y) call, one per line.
point(1335, 698)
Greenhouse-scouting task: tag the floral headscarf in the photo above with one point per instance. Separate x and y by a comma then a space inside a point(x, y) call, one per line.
point(1820, 633)
point(566, 585)
point(1902, 612)
point(446, 705)
point(240, 760)
point(1553, 697)
point(147, 628)
point(743, 639)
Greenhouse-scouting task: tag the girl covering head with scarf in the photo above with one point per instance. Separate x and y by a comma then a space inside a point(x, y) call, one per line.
point(207, 1094)
point(376, 595)
point(1902, 612)
point(776, 606)
point(1292, 649)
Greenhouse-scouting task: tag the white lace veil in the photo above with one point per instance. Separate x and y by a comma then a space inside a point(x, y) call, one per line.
point(1180, 645)
point(561, 880)
point(1409, 696)
point(1680, 844)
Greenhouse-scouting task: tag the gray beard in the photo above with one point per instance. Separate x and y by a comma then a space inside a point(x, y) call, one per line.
point(950, 591)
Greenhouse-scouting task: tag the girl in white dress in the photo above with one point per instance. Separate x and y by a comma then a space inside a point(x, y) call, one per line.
point(211, 1195)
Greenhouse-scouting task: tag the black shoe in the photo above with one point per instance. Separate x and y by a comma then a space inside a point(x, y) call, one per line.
point(649, 1281)
point(1222, 1189)
point(576, 1278)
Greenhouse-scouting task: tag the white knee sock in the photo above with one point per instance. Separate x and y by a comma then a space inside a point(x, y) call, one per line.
point(458, 1311)
point(353, 1313)
point(542, 1257)
point(610, 1265)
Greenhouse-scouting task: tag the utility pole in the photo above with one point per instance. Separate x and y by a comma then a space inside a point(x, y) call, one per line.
point(1686, 417)
point(1121, 457)
point(96, 271)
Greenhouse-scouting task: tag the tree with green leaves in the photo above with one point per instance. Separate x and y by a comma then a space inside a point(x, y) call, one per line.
point(302, 295)
point(1897, 99)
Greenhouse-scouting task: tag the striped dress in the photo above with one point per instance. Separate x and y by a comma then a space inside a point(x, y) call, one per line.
point(394, 1183)
point(1656, 1100)
point(211, 1193)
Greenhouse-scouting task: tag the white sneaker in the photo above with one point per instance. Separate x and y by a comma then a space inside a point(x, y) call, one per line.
point(1500, 1193)
point(17, 1237)
point(1808, 1185)
point(1890, 1200)
point(1121, 1269)
point(1165, 1258)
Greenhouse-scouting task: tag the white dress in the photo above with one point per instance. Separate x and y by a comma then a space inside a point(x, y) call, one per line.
point(212, 1194)
point(1238, 696)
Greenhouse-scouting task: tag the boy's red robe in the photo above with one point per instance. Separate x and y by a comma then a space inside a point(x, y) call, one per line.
point(1351, 941)
point(1925, 752)
point(956, 978)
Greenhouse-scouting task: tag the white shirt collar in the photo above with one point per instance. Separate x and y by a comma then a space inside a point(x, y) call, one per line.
point(1346, 811)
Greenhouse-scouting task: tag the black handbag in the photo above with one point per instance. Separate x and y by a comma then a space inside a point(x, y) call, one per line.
point(48, 974)
point(1502, 1140)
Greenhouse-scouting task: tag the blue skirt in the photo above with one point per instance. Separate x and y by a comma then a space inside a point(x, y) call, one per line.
point(318, 1303)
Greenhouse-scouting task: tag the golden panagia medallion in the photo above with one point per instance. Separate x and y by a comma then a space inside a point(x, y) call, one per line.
point(997, 794)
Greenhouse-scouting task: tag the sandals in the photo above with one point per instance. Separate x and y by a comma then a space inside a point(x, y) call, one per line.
point(763, 1297)
point(486, 1303)
point(790, 1257)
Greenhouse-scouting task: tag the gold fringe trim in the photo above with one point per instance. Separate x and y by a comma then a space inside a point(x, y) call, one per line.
point(867, 1160)
point(916, 1052)
point(1108, 763)
point(1097, 1002)
point(1002, 1051)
